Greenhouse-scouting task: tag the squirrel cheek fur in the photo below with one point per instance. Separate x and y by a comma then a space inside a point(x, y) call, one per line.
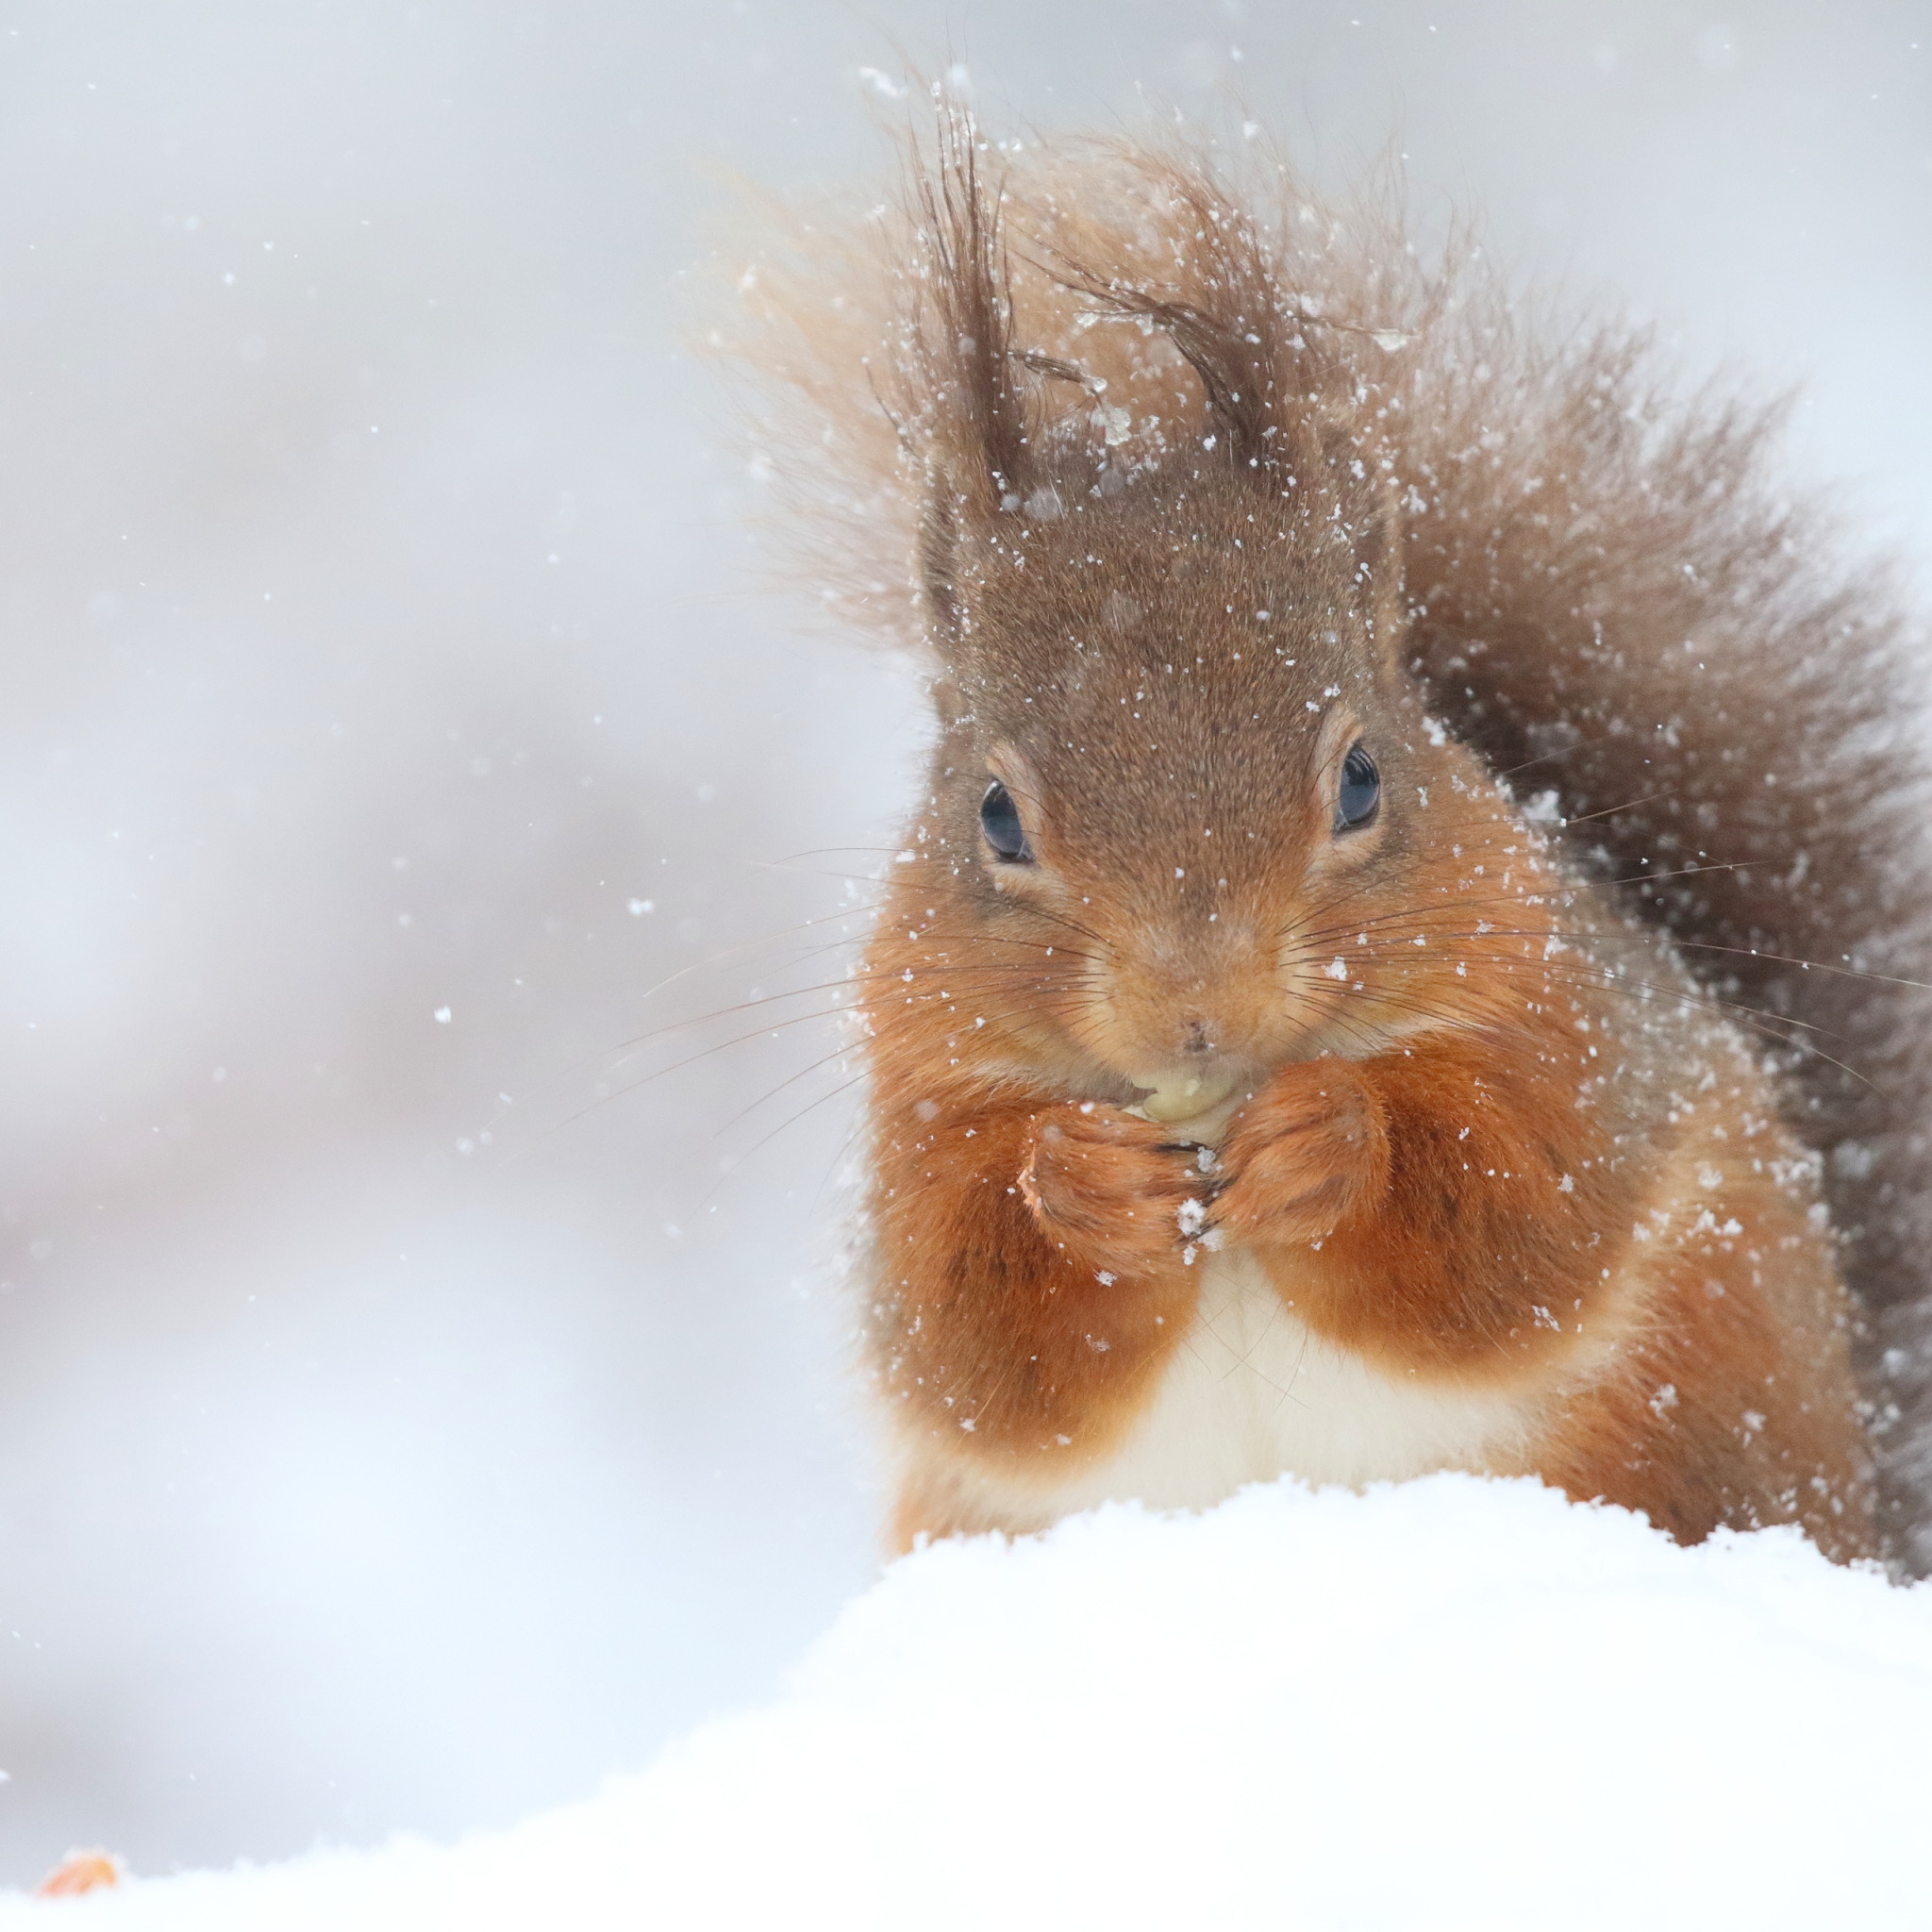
point(1472, 1154)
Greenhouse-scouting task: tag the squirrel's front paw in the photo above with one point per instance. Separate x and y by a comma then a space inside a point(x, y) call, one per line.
point(1116, 1191)
point(1308, 1150)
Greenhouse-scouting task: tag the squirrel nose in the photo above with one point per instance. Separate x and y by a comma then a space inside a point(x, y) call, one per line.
point(1196, 1042)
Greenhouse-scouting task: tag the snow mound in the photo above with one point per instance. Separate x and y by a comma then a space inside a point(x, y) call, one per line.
point(1445, 1703)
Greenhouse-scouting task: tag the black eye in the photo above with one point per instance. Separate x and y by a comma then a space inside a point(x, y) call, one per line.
point(999, 818)
point(1360, 795)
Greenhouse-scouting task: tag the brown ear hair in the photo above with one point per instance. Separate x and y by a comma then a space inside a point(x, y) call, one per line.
point(980, 456)
point(1229, 319)
point(1379, 547)
point(939, 550)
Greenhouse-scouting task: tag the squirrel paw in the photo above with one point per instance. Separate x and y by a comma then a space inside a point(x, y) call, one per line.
point(1303, 1154)
point(1119, 1192)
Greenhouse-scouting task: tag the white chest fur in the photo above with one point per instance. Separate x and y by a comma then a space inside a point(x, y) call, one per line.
point(1251, 1394)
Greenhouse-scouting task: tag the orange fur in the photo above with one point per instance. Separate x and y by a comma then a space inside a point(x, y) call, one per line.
point(1182, 510)
point(78, 1873)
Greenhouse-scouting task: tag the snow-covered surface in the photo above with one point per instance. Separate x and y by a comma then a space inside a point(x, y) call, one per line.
point(1446, 1704)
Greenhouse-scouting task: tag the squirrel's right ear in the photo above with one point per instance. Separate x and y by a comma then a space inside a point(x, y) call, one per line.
point(968, 409)
point(939, 557)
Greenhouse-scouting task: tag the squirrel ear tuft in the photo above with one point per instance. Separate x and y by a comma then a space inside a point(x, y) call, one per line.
point(964, 335)
point(1379, 547)
point(1219, 300)
point(938, 552)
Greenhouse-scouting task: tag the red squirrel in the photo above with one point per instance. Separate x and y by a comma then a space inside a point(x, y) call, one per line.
point(1346, 1004)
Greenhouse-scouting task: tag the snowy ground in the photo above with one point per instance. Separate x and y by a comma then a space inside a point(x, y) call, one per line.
point(1449, 1703)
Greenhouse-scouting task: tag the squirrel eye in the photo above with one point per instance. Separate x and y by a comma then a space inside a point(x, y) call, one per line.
point(1360, 795)
point(999, 818)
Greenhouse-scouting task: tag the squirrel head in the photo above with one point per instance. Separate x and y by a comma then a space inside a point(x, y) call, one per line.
point(1191, 799)
point(1199, 823)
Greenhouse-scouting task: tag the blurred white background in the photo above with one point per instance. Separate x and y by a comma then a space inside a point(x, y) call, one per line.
point(381, 632)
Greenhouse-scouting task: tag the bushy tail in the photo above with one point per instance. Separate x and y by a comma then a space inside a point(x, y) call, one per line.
point(1614, 598)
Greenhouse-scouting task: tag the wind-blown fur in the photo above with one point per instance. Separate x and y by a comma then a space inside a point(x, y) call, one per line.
point(1607, 591)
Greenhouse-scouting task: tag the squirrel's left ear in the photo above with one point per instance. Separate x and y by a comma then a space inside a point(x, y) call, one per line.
point(1378, 547)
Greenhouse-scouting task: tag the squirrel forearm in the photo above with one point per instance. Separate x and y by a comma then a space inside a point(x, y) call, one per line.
point(1475, 1208)
point(1003, 1317)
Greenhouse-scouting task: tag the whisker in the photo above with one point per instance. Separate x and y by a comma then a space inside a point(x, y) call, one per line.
point(844, 1087)
point(1599, 977)
point(749, 945)
point(859, 977)
point(1609, 934)
point(1757, 1019)
point(1807, 965)
point(1630, 804)
point(1581, 939)
point(1548, 757)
